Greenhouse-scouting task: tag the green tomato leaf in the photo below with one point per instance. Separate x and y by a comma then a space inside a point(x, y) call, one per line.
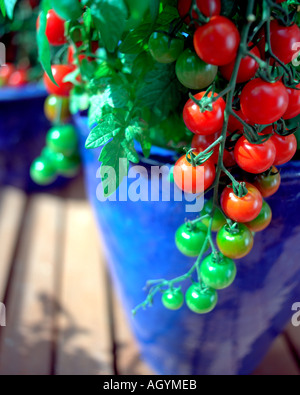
point(135, 41)
point(43, 43)
point(129, 149)
point(109, 126)
point(79, 100)
point(142, 64)
point(67, 9)
point(10, 6)
point(161, 90)
point(110, 156)
point(140, 132)
point(2, 8)
point(154, 9)
point(109, 17)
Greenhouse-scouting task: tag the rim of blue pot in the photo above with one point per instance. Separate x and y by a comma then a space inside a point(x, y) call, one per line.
point(30, 91)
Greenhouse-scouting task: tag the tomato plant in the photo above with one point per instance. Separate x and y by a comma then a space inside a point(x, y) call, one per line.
point(243, 208)
point(201, 301)
point(263, 102)
point(268, 183)
point(192, 179)
point(218, 271)
point(192, 72)
point(190, 239)
point(164, 49)
point(254, 158)
point(207, 7)
point(235, 242)
point(173, 299)
point(206, 122)
point(208, 91)
point(247, 69)
point(62, 88)
point(57, 109)
point(55, 28)
point(217, 41)
point(263, 220)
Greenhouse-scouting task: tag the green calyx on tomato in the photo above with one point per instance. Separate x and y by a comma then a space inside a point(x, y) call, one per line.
point(62, 139)
point(235, 242)
point(42, 171)
point(218, 271)
point(173, 299)
point(165, 49)
point(193, 73)
point(191, 238)
point(219, 218)
point(262, 221)
point(201, 300)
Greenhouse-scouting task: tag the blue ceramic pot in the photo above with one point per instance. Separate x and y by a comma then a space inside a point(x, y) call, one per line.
point(232, 340)
point(23, 129)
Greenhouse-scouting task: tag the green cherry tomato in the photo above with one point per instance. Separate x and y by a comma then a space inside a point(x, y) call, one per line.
point(42, 171)
point(67, 166)
point(173, 299)
point(162, 51)
point(236, 242)
point(263, 220)
point(62, 139)
point(218, 273)
point(193, 73)
point(57, 109)
point(201, 301)
point(219, 219)
point(190, 239)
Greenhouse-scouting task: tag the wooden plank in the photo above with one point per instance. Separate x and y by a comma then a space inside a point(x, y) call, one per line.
point(26, 342)
point(128, 359)
point(12, 204)
point(279, 361)
point(293, 334)
point(84, 338)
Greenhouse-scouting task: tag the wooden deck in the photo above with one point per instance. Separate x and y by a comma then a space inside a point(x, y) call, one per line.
point(62, 314)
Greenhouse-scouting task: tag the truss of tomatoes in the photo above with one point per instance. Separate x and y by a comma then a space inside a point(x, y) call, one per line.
point(242, 210)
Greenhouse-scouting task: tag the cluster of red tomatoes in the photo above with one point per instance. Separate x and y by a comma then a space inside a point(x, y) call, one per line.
point(60, 156)
point(12, 76)
point(242, 210)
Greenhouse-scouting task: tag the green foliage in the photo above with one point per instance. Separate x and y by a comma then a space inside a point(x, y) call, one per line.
point(7, 7)
point(42, 40)
point(67, 9)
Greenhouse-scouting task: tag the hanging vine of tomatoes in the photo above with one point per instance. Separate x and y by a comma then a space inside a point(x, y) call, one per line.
point(218, 77)
point(262, 90)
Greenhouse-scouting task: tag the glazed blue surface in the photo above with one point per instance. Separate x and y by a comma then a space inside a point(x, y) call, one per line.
point(23, 129)
point(139, 239)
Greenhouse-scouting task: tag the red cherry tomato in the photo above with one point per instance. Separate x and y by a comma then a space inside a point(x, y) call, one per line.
point(55, 28)
point(59, 73)
point(189, 179)
point(242, 209)
point(293, 109)
point(18, 78)
point(254, 158)
point(71, 52)
point(286, 148)
point(5, 72)
point(204, 123)
point(208, 8)
point(284, 41)
point(217, 41)
point(247, 70)
point(263, 102)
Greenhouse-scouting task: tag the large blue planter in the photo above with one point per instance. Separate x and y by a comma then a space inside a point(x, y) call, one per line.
point(139, 239)
point(23, 129)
